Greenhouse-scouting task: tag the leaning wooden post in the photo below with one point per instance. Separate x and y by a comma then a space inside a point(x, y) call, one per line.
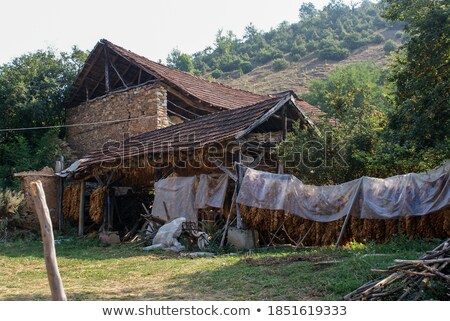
point(81, 212)
point(54, 278)
point(347, 218)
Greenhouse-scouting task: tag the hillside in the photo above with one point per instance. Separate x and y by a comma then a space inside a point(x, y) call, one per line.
point(299, 75)
point(291, 55)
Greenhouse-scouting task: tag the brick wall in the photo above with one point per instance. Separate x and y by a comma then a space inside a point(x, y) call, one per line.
point(148, 103)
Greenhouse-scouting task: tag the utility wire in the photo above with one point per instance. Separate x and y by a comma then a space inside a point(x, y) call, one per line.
point(93, 123)
point(75, 125)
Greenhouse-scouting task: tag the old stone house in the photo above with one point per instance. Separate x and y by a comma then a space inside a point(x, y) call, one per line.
point(132, 121)
point(120, 94)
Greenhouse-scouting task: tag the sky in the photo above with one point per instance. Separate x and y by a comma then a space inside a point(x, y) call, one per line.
point(150, 28)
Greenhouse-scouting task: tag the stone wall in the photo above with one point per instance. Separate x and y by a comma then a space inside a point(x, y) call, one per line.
point(50, 184)
point(147, 103)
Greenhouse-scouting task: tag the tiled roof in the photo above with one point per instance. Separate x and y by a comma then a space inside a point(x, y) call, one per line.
point(213, 128)
point(212, 93)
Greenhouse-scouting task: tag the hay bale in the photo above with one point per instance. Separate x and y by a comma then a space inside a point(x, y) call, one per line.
point(96, 201)
point(71, 202)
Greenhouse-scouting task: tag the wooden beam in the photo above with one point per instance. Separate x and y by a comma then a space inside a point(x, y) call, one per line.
point(139, 77)
point(107, 85)
point(59, 166)
point(54, 278)
point(86, 69)
point(176, 114)
point(118, 74)
point(290, 120)
point(123, 75)
point(188, 101)
point(81, 210)
point(305, 119)
point(264, 117)
point(284, 135)
point(183, 109)
point(239, 171)
point(232, 175)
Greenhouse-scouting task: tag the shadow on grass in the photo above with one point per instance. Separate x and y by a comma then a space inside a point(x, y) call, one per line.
point(77, 249)
point(243, 281)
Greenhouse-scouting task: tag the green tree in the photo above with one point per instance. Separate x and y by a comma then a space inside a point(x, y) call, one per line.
point(33, 88)
point(181, 61)
point(420, 124)
point(307, 11)
point(355, 100)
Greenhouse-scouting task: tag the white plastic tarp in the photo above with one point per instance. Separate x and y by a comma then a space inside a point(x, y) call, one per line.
point(178, 193)
point(211, 191)
point(393, 197)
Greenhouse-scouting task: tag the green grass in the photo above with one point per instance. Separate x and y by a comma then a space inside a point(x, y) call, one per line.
point(91, 271)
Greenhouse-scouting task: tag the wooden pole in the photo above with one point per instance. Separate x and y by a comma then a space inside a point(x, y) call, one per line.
point(81, 213)
point(347, 218)
point(54, 278)
point(107, 85)
point(240, 224)
point(284, 136)
point(227, 224)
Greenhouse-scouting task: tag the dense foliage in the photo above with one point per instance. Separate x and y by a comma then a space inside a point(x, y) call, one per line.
point(420, 123)
point(383, 124)
point(33, 88)
point(355, 98)
point(332, 32)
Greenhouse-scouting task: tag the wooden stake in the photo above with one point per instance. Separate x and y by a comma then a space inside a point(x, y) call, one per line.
point(81, 213)
point(54, 278)
point(347, 218)
point(227, 224)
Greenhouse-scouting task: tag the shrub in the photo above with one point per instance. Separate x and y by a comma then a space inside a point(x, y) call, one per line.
point(267, 54)
point(398, 34)
point(216, 73)
point(280, 64)
point(236, 74)
point(334, 53)
point(10, 203)
point(295, 57)
point(246, 67)
point(389, 46)
point(353, 41)
point(377, 38)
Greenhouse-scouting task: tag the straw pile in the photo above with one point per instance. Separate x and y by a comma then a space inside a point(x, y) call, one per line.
point(96, 205)
point(71, 202)
point(268, 222)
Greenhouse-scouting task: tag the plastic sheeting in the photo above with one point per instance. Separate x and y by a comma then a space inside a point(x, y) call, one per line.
point(211, 191)
point(182, 199)
point(178, 193)
point(166, 237)
point(369, 198)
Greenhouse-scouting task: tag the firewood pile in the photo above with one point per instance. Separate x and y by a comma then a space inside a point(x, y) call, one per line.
point(409, 279)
